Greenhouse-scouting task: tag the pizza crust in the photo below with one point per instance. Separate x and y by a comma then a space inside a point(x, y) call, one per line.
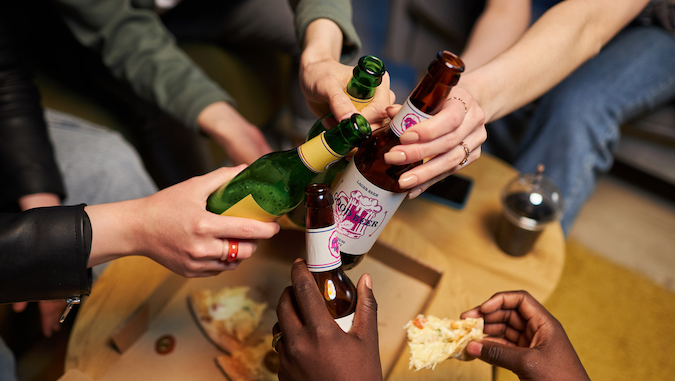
point(248, 363)
point(433, 340)
point(227, 317)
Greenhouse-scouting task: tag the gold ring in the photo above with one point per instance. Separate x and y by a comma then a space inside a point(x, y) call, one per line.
point(467, 152)
point(275, 340)
point(232, 250)
point(466, 109)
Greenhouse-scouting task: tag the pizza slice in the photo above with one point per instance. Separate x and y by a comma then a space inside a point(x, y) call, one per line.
point(251, 363)
point(433, 340)
point(228, 316)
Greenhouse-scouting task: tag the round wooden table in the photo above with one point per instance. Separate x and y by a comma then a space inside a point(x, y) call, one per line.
point(460, 243)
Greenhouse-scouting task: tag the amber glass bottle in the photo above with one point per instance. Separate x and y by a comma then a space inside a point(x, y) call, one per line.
point(323, 256)
point(368, 193)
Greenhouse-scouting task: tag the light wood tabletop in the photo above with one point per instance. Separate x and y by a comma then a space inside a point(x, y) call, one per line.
point(459, 242)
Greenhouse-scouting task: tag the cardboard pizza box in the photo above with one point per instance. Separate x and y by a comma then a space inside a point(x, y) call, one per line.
point(403, 287)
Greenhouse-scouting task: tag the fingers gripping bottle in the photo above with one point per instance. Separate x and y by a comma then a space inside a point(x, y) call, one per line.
point(275, 183)
point(366, 76)
point(368, 194)
point(323, 256)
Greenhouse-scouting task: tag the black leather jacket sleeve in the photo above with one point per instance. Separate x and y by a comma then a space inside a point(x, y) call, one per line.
point(27, 162)
point(44, 254)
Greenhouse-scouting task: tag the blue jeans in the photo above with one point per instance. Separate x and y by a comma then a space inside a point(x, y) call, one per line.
point(574, 129)
point(98, 166)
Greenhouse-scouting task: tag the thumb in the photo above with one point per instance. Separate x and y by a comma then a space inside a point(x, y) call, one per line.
point(505, 356)
point(220, 176)
point(365, 319)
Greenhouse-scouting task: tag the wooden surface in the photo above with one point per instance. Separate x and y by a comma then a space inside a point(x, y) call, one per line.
point(461, 243)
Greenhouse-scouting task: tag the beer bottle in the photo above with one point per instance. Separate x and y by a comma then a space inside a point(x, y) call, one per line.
point(368, 193)
point(323, 256)
point(275, 183)
point(366, 76)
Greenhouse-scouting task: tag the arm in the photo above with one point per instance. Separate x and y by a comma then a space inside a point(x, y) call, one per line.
point(137, 48)
point(562, 39)
point(525, 338)
point(500, 25)
point(172, 227)
point(27, 163)
point(565, 37)
point(328, 37)
point(320, 348)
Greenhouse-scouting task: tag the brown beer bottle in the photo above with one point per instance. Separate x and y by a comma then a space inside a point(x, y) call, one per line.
point(323, 256)
point(368, 193)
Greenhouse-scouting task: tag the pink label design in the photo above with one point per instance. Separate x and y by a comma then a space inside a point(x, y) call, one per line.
point(334, 245)
point(355, 213)
point(361, 211)
point(407, 117)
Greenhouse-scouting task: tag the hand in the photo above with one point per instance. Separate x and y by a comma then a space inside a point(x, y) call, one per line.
point(313, 346)
point(525, 338)
point(173, 228)
point(242, 142)
point(439, 138)
point(323, 78)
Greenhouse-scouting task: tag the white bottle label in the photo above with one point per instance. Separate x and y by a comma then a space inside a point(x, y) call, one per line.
point(407, 117)
point(346, 322)
point(361, 211)
point(323, 250)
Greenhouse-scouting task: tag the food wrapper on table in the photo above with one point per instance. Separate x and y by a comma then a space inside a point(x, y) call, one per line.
point(403, 288)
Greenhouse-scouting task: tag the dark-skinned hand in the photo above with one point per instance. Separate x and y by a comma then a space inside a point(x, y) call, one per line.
point(313, 346)
point(525, 338)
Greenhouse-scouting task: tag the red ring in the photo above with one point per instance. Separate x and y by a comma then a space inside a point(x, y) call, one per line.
point(232, 250)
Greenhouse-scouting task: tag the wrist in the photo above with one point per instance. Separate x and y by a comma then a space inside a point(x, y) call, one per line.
point(115, 230)
point(323, 41)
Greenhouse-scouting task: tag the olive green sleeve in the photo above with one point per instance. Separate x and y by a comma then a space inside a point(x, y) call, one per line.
point(339, 11)
point(136, 47)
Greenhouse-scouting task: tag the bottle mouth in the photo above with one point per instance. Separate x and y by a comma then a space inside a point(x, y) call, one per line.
point(372, 65)
point(361, 125)
point(451, 61)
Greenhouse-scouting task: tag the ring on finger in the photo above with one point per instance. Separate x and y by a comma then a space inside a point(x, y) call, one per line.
point(230, 255)
point(467, 152)
point(275, 340)
point(466, 109)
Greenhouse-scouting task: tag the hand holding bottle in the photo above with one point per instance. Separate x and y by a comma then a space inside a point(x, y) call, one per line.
point(525, 338)
point(173, 228)
point(321, 350)
point(323, 77)
point(461, 120)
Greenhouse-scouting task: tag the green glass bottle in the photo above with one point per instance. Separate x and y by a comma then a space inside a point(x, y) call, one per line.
point(366, 76)
point(275, 183)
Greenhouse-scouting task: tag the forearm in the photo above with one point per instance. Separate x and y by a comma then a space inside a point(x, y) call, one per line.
point(114, 230)
point(499, 27)
point(339, 12)
point(323, 41)
point(45, 253)
point(559, 42)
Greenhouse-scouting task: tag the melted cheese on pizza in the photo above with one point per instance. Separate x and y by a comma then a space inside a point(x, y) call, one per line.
point(433, 340)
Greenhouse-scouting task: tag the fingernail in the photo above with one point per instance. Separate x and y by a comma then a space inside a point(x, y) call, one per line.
point(369, 282)
point(414, 193)
point(474, 348)
point(394, 157)
point(409, 137)
point(407, 181)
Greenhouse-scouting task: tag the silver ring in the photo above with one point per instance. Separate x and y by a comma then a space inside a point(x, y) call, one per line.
point(467, 152)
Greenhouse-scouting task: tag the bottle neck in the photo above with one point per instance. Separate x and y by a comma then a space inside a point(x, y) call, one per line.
point(347, 134)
